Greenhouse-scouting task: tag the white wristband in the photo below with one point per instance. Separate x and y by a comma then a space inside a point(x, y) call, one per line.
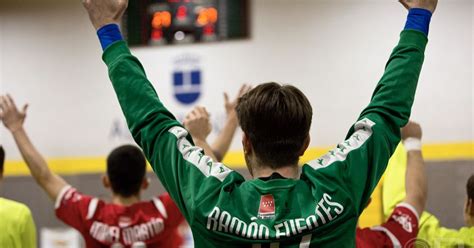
point(412, 144)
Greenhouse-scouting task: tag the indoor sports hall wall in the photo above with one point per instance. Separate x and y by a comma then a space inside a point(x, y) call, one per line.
point(334, 50)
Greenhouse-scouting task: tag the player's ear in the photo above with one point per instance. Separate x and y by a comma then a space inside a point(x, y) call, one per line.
point(246, 144)
point(470, 207)
point(145, 183)
point(307, 140)
point(106, 181)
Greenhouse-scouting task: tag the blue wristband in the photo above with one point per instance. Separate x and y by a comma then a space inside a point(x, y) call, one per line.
point(109, 34)
point(418, 19)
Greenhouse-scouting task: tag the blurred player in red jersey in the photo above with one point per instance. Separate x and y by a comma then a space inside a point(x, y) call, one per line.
point(401, 229)
point(127, 221)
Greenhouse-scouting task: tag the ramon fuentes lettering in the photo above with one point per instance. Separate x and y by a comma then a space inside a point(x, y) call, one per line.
point(325, 211)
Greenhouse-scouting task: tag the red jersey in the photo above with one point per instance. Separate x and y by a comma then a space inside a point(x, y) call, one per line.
point(400, 230)
point(145, 224)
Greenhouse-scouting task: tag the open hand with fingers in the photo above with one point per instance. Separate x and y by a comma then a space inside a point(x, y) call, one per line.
point(11, 117)
point(421, 4)
point(231, 104)
point(103, 12)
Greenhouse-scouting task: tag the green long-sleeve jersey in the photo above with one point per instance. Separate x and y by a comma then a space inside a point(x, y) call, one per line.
point(320, 209)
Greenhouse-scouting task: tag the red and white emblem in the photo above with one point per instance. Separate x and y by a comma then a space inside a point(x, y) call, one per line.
point(267, 207)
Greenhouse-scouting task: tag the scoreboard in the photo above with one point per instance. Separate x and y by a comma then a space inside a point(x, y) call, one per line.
point(168, 22)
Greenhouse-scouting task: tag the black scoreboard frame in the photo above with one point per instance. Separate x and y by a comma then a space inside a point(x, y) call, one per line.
point(136, 24)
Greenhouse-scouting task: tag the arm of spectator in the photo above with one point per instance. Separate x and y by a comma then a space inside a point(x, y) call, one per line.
point(415, 181)
point(222, 143)
point(13, 119)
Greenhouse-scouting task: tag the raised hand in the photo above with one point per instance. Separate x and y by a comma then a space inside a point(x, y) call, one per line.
point(11, 117)
point(422, 4)
point(231, 104)
point(198, 124)
point(412, 130)
point(103, 12)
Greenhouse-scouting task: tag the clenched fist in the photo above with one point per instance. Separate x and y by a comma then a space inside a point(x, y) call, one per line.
point(103, 12)
point(198, 124)
point(422, 4)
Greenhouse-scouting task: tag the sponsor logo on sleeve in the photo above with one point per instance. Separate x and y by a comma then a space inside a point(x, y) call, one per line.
point(404, 220)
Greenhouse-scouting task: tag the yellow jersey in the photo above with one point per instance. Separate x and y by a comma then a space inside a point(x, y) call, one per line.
point(17, 228)
point(431, 233)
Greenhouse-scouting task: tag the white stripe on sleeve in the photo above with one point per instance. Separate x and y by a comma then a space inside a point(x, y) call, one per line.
point(92, 207)
point(60, 196)
point(159, 205)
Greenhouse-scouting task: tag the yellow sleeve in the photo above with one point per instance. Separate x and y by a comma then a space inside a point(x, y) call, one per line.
point(28, 237)
point(433, 234)
point(393, 188)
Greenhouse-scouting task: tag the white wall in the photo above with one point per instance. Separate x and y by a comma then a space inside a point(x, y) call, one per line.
point(335, 51)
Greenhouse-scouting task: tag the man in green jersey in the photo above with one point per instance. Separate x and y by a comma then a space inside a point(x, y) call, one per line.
point(282, 206)
point(17, 227)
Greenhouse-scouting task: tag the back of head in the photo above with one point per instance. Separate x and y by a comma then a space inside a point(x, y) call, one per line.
point(126, 168)
point(470, 188)
point(2, 159)
point(276, 119)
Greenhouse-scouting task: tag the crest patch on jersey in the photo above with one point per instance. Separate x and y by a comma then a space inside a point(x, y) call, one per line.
point(267, 207)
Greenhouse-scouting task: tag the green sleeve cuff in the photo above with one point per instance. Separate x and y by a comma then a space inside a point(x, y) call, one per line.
point(115, 51)
point(414, 38)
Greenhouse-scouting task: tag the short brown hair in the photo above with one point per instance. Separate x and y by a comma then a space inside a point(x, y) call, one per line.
point(276, 119)
point(470, 188)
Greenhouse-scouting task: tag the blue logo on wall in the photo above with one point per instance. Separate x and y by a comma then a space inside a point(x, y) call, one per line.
point(187, 78)
point(187, 86)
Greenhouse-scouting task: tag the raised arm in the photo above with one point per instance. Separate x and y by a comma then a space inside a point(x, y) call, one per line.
point(189, 176)
point(394, 95)
point(221, 144)
point(373, 138)
point(146, 116)
point(415, 180)
point(13, 119)
point(390, 107)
